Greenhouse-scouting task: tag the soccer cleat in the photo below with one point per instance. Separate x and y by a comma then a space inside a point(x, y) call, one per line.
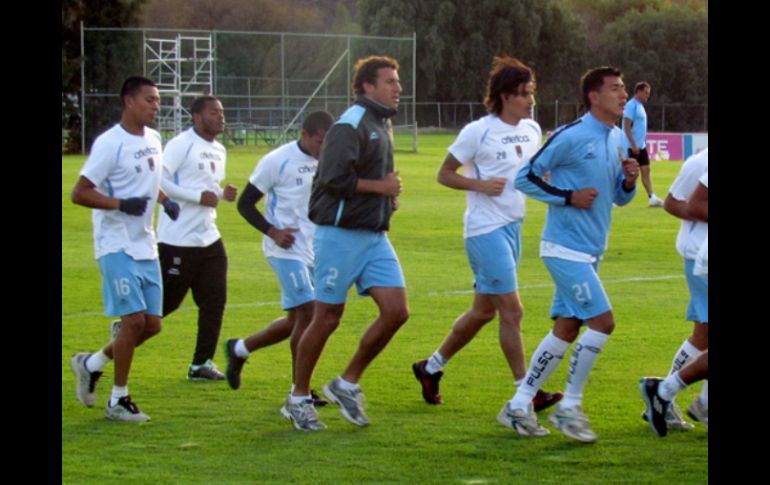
point(573, 423)
point(674, 420)
point(351, 403)
point(656, 407)
point(524, 423)
point(656, 201)
point(428, 381)
point(318, 401)
point(115, 328)
point(85, 381)
point(125, 410)
point(303, 415)
point(234, 364)
point(544, 400)
point(205, 372)
point(699, 412)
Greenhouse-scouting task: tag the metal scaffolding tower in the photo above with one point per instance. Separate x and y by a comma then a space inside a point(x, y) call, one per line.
point(182, 68)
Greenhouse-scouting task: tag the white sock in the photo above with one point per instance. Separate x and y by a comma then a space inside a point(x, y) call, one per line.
point(583, 358)
point(671, 386)
point(97, 361)
point(436, 363)
point(704, 394)
point(685, 354)
point(117, 393)
point(348, 386)
point(292, 388)
point(518, 383)
point(298, 399)
point(545, 360)
point(241, 350)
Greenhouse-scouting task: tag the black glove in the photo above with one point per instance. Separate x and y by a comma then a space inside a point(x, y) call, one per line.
point(171, 208)
point(134, 206)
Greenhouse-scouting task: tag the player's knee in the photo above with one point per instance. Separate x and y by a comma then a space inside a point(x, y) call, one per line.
point(484, 315)
point(397, 316)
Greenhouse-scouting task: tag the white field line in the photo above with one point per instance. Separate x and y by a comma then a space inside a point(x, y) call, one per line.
point(430, 293)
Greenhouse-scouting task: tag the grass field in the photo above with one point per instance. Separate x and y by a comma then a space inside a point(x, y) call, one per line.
point(207, 433)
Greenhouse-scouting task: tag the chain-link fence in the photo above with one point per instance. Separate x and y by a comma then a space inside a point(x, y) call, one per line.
point(267, 81)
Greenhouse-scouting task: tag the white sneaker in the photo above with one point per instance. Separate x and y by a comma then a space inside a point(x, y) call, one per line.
point(351, 403)
point(125, 410)
point(656, 201)
point(699, 412)
point(303, 415)
point(573, 423)
point(524, 423)
point(85, 381)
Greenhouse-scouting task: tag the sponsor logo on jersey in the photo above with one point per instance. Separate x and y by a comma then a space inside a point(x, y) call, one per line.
point(374, 136)
point(210, 156)
point(514, 139)
point(145, 152)
point(306, 169)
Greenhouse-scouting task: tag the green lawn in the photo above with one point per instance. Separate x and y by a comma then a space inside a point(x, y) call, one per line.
point(207, 433)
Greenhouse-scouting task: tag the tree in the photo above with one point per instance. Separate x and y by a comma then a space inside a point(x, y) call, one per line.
point(94, 13)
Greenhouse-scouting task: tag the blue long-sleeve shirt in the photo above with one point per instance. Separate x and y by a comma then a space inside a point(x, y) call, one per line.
point(582, 154)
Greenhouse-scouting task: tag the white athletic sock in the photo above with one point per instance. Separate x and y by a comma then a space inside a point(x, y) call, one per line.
point(545, 360)
point(671, 386)
point(348, 386)
point(241, 350)
point(583, 358)
point(117, 393)
point(436, 363)
point(97, 361)
point(685, 354)
point(704, 394)
point(298, 399)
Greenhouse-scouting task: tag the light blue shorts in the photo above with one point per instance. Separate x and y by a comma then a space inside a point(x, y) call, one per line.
point(296, 281)
point(131, 286)
point(698, 308)
point(579, 292)
point(347, 256)
point(494, 257)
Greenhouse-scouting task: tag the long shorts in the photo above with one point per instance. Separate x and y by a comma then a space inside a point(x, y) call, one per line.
point(130, 285)
point(579, 292)
point(296, 281)
point(347, 256)
point(698, 307)
point(494, 257)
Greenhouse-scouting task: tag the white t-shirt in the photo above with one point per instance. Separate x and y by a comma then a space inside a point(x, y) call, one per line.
point(191, 165)
point(489, 147)
point(691, 233)
point(285, 175)
point(123, 165)
point(701, 267)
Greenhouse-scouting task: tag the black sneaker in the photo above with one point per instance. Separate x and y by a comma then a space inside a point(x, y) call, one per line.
point(429, 382)
point(205, 372)
point(234, 364)
point(544, 400)
point(656, 406)
point(318, 401)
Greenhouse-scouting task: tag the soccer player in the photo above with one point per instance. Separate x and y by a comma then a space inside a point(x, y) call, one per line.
point(659, 394)
point(118, 179)
point(286, 176)
point(635, 136)
point(692, 234)
point(587, 175)
point(354, 194)
point(192, 255)
point(491, 151)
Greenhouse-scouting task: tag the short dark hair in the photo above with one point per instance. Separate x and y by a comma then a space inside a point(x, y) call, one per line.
point(317, 121)
point(366, 71)
point(641, 86)
point(133, 85)
point(505, 77)
point(593, 80)
point(199, 103)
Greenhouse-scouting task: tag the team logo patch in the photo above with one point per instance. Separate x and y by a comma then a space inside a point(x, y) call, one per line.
point(590, 155)
point(374, 136)
point(201, 166)
point(213, 167)
point(151, 163)
point(519, 151)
